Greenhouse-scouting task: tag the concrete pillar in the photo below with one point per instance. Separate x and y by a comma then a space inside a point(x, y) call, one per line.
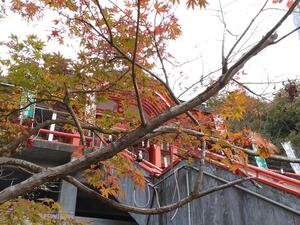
point(67, 197)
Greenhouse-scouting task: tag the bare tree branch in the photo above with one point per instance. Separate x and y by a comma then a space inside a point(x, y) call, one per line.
point(10, 148)
point(137, 134)
point(120, 51)
point(158, 210)
point(201, 80)
point(28, 105)
point(199, 176)
point(105, 20)
point(246, 30)
point(133, 60)
point(248, 89)
point(22, 164)
point(103, 89)
point(286, 35)
point(170, 129)
point(74, 116)
point(160, 58)
point(31, 167)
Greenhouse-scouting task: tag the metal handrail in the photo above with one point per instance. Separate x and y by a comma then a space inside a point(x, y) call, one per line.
point(265, 176)
point(63, 134)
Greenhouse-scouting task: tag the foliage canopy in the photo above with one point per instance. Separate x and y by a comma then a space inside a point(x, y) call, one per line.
point(121, 46)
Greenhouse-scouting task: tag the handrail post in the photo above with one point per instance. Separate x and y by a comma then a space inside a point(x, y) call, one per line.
point(76, 140)
point(52, 127)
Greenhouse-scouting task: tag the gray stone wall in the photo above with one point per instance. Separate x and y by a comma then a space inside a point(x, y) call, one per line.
point(233, 206)
point(246, 204)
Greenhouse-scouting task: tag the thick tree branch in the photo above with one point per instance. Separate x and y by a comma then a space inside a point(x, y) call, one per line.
point(267, 40)
point(31, 167)
point(169, 129)
point(22, 164)
point(137, 134)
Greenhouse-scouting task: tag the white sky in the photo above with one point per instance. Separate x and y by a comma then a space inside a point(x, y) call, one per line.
point(202, 39)
point(201, 43)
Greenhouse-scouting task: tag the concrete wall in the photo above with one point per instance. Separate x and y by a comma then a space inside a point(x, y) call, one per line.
point(231, 206)
point(46, 153)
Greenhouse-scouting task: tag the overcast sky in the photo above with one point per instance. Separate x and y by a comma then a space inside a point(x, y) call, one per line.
point(199, 48)
point(203, 35)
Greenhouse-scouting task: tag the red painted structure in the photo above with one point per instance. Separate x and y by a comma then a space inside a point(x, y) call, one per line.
point(154, 164)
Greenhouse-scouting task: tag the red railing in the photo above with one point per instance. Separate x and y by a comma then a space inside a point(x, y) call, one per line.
point(289, 174)
point(70, 138)
point(269, 177)
point(154, 170)
point(263, 175)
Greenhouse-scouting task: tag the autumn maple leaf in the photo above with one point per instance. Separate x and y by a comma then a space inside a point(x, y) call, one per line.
point(191, 4)
point(203, 3)
point(158, 29)
point(289, 3)
point(264, 144)
point(160, 8)
point(55, 33)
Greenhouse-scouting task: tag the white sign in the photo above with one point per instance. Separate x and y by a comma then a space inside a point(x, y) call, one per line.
point(290, 152)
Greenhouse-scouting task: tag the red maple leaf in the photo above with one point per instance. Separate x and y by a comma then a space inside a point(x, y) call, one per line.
point(158, 29)
point(289, 3)
point(55, 33)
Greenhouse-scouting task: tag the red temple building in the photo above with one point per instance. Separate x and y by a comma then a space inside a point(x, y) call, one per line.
point(169, 175)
